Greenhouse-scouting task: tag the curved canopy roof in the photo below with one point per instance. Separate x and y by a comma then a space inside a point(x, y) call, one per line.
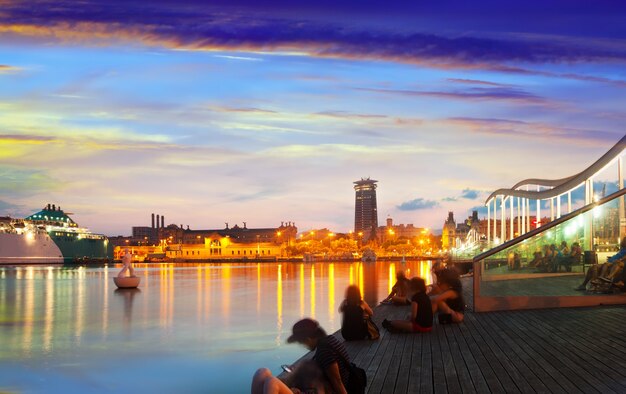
point(561, 186)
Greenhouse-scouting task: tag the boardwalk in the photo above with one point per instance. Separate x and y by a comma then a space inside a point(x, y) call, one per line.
point(577, 350)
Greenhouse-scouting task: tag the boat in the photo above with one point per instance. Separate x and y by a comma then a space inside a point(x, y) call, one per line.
point(50, 236)
point(368, 256)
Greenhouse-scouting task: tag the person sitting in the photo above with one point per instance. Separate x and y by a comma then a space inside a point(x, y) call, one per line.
point(399, 292)
point(330, 356)
point(603, 270)
point(546, 261)
point(537, 259)
point(421, 317)
point(437, 267)
point(449, 302)
point(355, 312)
point(562, 257)
point(574, 257)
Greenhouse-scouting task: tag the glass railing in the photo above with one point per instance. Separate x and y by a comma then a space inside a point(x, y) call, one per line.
point(547, 266)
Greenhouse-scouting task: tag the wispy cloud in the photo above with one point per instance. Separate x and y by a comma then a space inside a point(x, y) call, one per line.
point(471, 94)
point(244, 58)
point(417, 204)
point(476, 82)
point(518, 128)
point(8, 69)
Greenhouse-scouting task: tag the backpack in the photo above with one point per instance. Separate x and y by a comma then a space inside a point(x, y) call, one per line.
point(357, 380)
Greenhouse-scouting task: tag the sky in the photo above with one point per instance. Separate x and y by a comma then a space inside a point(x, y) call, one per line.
point(268, 111)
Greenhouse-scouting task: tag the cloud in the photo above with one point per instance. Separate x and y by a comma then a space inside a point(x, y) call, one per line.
point(417, 204)
point(470, 194)
point(476, 82)
point(471, 94)
point(517, 128)
point(200, 27)
point(349, 115)
point(449, 199)
point(251, 110)
point(8, 69)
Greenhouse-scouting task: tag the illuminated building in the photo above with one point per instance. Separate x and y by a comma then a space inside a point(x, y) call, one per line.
point(365, 208)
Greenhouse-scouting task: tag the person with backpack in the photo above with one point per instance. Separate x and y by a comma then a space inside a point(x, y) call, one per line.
point(331, 356)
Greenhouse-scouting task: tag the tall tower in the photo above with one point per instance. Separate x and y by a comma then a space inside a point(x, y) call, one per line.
point(365, 208)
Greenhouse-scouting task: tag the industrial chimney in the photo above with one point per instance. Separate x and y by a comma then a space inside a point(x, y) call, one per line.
point(157, 223)
point(152, 220)
point(162, 221)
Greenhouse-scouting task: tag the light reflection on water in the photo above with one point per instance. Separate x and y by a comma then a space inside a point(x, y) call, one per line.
point(189, 327)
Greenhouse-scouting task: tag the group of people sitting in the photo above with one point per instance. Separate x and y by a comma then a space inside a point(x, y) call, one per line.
point(605, 277)
point(444, 297)
point(330, 369)
point(554, 258)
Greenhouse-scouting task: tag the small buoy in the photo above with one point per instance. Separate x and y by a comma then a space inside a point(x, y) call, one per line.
point(126, 282)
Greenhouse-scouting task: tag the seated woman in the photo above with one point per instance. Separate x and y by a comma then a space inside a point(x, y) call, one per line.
point(537, 259)
point(574, 257)
point(421, 318)
point(549, 256)
point(562, 257)
point(355, 310)
point(399, 292)
point(450, 300)
point(330, 356)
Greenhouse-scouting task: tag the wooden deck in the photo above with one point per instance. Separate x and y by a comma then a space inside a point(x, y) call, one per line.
point(575, 350)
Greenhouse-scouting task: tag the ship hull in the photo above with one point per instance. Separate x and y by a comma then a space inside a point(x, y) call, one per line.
point(59, 248)
point(29, 249)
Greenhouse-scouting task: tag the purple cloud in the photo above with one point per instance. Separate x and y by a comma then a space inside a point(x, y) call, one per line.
point(471, 94)
point(196, 25)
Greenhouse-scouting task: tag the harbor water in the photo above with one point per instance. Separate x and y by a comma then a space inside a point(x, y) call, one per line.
point(187, 328)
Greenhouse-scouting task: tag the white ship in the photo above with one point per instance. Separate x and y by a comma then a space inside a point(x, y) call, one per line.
point(49, 236)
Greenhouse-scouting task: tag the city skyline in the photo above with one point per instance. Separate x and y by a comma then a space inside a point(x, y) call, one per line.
point(268, 111)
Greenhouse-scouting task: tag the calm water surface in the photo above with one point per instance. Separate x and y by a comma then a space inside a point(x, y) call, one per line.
point(188, 328)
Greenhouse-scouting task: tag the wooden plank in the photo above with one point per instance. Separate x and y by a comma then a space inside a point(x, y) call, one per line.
point(393, 371)
point(592, 356)
point(524, 363)
point(484, 378)
point(555, 367)
point(415, 367)
point(470, 376)
point(438, 373)
point(449, 367)
point(577, 368)
point(427, 378)
point(381, 362)
point(497, 359)
point(404, 370)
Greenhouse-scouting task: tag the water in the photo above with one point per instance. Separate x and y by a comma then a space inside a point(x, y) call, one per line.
point(188, 328)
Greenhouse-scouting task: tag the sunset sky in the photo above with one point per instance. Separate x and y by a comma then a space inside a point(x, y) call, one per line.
point(267, 111)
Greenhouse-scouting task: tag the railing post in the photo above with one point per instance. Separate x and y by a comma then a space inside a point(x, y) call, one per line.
point(622, 214)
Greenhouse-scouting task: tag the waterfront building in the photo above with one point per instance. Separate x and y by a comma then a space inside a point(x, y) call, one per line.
point(365, 209)
point(391, 231)
point(237, 242)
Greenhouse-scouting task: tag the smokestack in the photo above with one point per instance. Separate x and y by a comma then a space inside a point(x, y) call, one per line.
point(162, 221)
point(53, 207)
point(152, 220)
point(157, 226)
